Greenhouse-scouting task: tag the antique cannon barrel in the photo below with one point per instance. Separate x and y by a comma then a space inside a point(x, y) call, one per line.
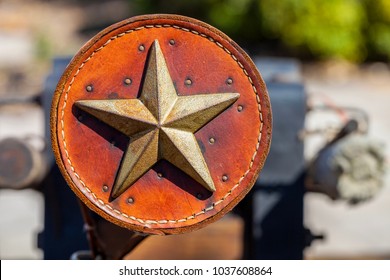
point(21, 165)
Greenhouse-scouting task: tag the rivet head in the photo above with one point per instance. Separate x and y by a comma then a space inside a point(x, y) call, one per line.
point(130, 200)
point(229, 81)
point(240, 108)
point(159, 175)
point(225, 178)
point(127, 81)
point(105, 188)
point(89, 88)
point(188, 82)
point(212, 140)
point(141, 48)
point(171, 42)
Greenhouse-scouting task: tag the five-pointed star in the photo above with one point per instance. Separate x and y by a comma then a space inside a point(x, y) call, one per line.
point(160, 124)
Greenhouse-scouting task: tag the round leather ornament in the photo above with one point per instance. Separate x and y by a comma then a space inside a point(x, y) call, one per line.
point(161, 124)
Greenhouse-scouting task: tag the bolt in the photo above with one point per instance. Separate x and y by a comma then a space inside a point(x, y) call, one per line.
point(212, 140)
point(239, 108)
point(171, 42)
point(188, 82)
point(229, 81)
point(141, 48)
point(130, 200)
point(225, 178)
point(128, 81)
point(89, 88)
point(105, 188)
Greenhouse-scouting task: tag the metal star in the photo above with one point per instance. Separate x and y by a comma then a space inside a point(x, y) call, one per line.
point(160, 124)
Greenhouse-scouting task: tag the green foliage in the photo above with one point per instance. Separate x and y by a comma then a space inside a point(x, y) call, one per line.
point(325, 28)
point(356, 30)
point(378, 31)
point(229, 13)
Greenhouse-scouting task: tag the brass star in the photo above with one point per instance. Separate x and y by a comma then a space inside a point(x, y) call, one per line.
point(160, 124)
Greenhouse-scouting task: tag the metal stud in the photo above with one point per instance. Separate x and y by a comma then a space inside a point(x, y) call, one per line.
point(212, 140)
point(105, 188)
point(188, 82)
point(171, 42)
point(159, 175)
point(130, 200)
point(141, 48)
point(229, 81)
point(225, 178)
point(89, 88)
point(127, 81)
point(240, 108)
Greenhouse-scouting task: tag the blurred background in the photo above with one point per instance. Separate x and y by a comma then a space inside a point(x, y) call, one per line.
point(324, 193)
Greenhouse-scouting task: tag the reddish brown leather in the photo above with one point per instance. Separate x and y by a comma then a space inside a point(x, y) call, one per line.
point(84, 146)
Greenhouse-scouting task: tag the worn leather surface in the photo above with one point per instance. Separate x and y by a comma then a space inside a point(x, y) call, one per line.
point(89, 152)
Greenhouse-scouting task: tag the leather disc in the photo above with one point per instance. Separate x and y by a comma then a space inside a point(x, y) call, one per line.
point(161, 124)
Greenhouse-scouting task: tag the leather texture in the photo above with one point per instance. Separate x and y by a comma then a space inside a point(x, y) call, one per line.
point(164, 200)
